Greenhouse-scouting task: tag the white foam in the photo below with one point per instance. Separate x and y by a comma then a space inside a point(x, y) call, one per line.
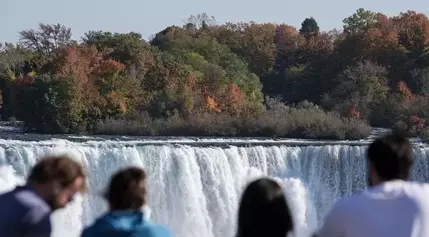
point(300, 203)
point(8, 178)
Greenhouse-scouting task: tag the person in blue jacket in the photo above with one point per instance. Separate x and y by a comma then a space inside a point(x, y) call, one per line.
point(126, 196)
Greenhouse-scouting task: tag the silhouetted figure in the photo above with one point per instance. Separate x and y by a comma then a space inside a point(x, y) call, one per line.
point(51, 185)
point(127, 197)
point(392, 206)
point(264, 211)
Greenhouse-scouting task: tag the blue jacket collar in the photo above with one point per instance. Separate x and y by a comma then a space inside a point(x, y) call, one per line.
point(123, 220)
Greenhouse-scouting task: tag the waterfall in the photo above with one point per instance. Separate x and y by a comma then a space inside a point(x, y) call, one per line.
point(195, 190)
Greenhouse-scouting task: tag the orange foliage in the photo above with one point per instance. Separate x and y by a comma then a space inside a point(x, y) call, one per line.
point(405, 91)
point(375, 43)
point(381, 35)
point(319, 43)
point(77, 61)
point(237, 97)
point(109, 67)
point(85, 65)
point(210, 102)
point(413, 29)
point(233, 99)
point(286, 37)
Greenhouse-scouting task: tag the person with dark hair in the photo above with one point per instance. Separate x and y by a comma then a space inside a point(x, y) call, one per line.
point(51, 185)
point(264, 211)
point(391, 206)
point(126, 196)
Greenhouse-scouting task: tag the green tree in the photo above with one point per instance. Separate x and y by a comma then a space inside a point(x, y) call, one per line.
point(309, 28)
point(361, 86)
point(53, 105)
point(359, 21)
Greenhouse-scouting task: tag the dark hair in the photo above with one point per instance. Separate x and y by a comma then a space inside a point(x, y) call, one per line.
point(391, 156)
point(264, 211)
point(62, 169)
point(127, 189)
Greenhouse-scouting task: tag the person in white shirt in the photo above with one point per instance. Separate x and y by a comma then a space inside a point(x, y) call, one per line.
point(391, 206)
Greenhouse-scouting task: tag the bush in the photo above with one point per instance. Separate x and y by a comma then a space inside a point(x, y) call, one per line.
point(277, 120)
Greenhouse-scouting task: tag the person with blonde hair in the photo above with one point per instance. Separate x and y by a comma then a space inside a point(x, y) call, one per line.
point(51, 185)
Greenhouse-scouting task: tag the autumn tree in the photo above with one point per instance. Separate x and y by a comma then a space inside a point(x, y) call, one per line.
point(217, 63)
point(254, 43)
point(404, 91)
point(375, 70)
point(413, 31)
point(377, 42)
point(287, 38)
point(233, 99)
point(129, 49)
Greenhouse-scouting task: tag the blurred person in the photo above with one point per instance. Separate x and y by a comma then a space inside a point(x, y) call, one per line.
point(264, 211)
point(392, 206)
point(51, 185)
point(128, 210)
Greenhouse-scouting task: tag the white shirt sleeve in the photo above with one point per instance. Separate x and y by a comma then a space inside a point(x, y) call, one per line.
point(334, 222)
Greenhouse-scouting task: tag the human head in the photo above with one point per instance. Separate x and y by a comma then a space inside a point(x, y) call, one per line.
point(127, 189)
point(264, 211)
point(57, 179)
point(389, 157)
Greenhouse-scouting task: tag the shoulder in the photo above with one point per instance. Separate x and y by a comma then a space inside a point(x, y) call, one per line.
point(154, 230)
point(26, 204)
point(31, 199)
point(95, 228)
point(37, 209)
point(346, 204)
point(87, 232)
point(345, 207)
point(418, 187)
point(337, 218)
point(417, 191)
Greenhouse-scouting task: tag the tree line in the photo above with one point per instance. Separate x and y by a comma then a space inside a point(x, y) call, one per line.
point(232, 79)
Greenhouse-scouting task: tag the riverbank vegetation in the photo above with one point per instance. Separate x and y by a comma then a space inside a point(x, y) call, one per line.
point(232, 79)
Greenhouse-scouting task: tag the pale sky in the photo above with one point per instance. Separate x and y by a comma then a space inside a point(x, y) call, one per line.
point(148, 17)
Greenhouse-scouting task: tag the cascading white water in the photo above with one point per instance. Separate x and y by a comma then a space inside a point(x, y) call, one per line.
point(196, 190)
